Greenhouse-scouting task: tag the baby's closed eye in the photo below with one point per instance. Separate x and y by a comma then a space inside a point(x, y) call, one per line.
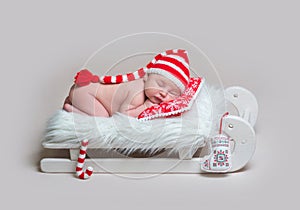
point(174, 93)
point(160, 83)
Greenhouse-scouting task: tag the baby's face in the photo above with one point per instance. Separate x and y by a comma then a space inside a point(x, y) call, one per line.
point(160, 89)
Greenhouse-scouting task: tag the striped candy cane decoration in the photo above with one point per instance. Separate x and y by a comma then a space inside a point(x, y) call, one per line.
point(83, 174)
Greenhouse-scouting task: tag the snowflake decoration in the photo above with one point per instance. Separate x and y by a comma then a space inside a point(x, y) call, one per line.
point(220, 158)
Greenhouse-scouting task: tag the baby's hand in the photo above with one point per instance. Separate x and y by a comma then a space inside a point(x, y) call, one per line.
point(148, 103)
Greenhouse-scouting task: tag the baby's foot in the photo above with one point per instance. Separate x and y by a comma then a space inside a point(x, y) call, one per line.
point(70, 108)
point(220, 158)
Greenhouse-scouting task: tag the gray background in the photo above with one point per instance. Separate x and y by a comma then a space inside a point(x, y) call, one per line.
point(254, 44)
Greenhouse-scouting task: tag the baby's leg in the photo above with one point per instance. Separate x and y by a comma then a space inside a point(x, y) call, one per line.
point(83, 101)
point(69, 108)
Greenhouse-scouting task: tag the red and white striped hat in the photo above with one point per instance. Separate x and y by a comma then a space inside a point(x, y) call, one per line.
point(173, 64)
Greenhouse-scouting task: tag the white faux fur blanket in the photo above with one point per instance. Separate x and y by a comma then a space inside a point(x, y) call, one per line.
point(189, 131)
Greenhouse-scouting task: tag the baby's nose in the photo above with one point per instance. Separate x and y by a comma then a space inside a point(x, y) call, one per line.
point(163, 94)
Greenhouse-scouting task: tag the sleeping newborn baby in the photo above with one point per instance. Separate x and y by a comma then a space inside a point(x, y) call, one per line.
point(163, 79)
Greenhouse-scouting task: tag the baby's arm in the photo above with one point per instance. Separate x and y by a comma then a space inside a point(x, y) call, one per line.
point(134, 112)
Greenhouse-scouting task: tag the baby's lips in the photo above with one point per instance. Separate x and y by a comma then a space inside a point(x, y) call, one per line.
point(156, 100)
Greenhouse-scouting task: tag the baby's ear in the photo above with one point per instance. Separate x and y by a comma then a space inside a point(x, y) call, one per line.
point(145, 77)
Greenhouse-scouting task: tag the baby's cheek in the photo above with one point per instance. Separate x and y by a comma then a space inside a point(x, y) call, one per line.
point(150, 92)
point(167, 98)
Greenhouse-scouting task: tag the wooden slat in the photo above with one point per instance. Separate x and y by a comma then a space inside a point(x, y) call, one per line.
point(124, 165)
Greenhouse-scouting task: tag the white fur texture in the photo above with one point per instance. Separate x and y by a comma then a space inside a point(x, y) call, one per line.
point(189, 131)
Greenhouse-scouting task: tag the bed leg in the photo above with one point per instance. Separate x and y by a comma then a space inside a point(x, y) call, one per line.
point(74, 153)
point(185, 154)
point(246, 115)
point(244, 101)
point(243, 136)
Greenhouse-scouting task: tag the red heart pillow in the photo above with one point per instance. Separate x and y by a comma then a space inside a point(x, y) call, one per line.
point(177, 106)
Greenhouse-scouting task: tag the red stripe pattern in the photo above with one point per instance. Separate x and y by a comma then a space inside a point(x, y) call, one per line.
point(81, 173)
point(172, 71)
point(173, 64)
point(185, 70)
point(183, 75)
point(123, 78)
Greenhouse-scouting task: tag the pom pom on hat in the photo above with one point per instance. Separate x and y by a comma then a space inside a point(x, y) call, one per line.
point(85, 77)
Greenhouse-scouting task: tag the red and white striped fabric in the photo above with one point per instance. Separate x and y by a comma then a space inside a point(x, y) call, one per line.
point(83, 174)
point(123, 77)
point(172, 64)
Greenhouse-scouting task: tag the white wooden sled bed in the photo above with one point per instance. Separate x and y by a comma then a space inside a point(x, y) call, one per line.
point(130, 151)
